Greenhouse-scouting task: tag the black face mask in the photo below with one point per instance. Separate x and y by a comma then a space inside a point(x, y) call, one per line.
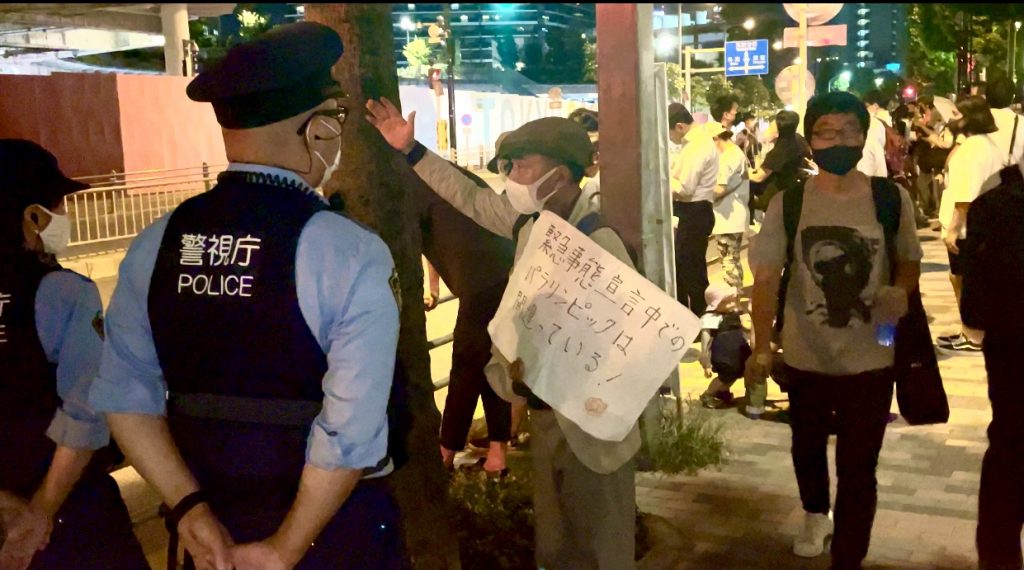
point(838, 159)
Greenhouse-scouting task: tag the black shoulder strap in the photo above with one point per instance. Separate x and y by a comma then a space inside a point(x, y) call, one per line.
point(792, 207)
point(1013, 140)
point(520, 222)
point(888, 207)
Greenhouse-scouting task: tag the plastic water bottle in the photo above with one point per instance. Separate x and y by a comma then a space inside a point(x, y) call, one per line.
point(885, 334)
point(756, 396)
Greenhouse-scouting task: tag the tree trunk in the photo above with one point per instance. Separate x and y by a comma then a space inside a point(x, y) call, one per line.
point(373, 180)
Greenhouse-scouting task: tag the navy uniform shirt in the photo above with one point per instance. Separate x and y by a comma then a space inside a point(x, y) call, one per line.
point(342, 280)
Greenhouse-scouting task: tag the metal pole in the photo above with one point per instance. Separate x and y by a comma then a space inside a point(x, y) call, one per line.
point(689, 78)
point(801, 90)
point(451, 92)
point(679, 26)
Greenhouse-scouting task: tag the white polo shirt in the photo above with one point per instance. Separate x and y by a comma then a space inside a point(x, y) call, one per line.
point(731, 212)
point(694, 168)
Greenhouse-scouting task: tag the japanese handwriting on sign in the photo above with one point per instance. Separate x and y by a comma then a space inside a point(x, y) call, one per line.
point(583, 321)
point(574, 258)
point(5, 298)
point(678, 342)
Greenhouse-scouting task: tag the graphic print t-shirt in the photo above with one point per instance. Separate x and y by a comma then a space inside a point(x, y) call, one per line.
point(839, 264)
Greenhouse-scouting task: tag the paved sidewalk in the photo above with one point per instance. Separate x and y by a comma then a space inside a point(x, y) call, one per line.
point(745, 515)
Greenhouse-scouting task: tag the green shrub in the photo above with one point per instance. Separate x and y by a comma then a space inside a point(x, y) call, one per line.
point(687, 442)
point(493, 520)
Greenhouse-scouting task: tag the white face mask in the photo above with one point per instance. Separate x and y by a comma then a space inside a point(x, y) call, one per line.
point(57, 234)
point(524, 198)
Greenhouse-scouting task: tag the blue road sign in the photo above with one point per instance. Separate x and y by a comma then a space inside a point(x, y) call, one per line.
point(749, 57)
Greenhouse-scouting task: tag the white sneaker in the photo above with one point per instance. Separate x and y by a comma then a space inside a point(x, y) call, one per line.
point(811, 542)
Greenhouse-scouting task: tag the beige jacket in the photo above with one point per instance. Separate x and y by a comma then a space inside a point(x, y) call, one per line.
point(495, 213)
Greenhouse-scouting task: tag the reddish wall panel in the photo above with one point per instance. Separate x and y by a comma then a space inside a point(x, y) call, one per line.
point(161, 128)
point(73, 115)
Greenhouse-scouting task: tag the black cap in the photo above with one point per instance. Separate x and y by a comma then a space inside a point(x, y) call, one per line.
point(31, 176)
point(553, 137)
point(279, 75)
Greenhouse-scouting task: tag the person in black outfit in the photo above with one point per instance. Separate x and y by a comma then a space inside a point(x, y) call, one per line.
point(993, 279)
point(783, 165)
point(475, 264)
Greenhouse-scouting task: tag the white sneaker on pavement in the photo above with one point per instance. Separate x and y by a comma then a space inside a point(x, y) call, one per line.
point(811, 541)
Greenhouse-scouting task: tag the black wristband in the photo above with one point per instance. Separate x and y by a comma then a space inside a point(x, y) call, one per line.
point(416, 154)
point(185, 505)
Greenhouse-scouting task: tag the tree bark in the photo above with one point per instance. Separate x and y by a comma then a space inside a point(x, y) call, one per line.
point(373, 180)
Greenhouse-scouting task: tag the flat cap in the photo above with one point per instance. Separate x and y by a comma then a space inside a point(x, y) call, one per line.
point(553, 137)
point(279, 75)
point(31, 176)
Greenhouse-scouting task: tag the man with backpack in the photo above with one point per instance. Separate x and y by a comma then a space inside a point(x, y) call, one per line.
point(850, 269)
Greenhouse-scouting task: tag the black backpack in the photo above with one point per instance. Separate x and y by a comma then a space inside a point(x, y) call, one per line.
point(919, 391)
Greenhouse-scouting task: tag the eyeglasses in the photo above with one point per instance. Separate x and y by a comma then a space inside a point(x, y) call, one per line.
point(829, 135)
point(339, 114)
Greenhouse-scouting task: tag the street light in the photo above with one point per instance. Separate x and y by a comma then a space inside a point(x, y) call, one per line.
point(777, 45)
point(748, 24)
point(666, 44)
point(407, 25)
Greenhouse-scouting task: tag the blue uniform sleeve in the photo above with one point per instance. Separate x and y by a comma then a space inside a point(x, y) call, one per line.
point(343, 280)
point(67, 306)
point(130, 380)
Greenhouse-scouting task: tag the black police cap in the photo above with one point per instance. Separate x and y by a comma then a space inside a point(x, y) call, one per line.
point(279, 75)
point(31, 176)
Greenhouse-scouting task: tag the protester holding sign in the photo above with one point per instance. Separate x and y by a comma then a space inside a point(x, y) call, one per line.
point(584, 495)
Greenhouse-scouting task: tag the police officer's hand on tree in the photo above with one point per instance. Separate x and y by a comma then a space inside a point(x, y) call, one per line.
point(27, 530)
point(397, 131)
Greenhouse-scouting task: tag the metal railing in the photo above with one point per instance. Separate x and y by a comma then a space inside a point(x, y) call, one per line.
point(115, 209)
point(472, 159)
point(441, 341)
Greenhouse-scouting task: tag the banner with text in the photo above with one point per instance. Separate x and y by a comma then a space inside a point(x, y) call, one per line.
point(596, 338)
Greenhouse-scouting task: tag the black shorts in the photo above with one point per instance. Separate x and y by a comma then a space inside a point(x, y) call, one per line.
point(956, 260)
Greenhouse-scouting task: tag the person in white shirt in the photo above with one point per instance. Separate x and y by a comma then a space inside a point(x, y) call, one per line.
point(1000, 94)
point(694, 176)
point(731, 211)
point(973, 170)
point(873, 161)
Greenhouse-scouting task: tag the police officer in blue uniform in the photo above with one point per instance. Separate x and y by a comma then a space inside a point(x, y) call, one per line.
point(58, 506)
point(271, 324)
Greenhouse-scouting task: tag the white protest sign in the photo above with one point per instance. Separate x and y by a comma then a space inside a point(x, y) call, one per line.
point(596, 338)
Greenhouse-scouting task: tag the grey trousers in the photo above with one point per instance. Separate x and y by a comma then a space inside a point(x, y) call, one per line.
point(583, 520)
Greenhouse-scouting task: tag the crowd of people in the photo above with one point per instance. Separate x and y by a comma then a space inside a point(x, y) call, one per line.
point(836, 258)
point(279, 463)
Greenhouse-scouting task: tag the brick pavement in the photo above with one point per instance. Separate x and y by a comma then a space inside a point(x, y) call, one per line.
point(745, 515)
